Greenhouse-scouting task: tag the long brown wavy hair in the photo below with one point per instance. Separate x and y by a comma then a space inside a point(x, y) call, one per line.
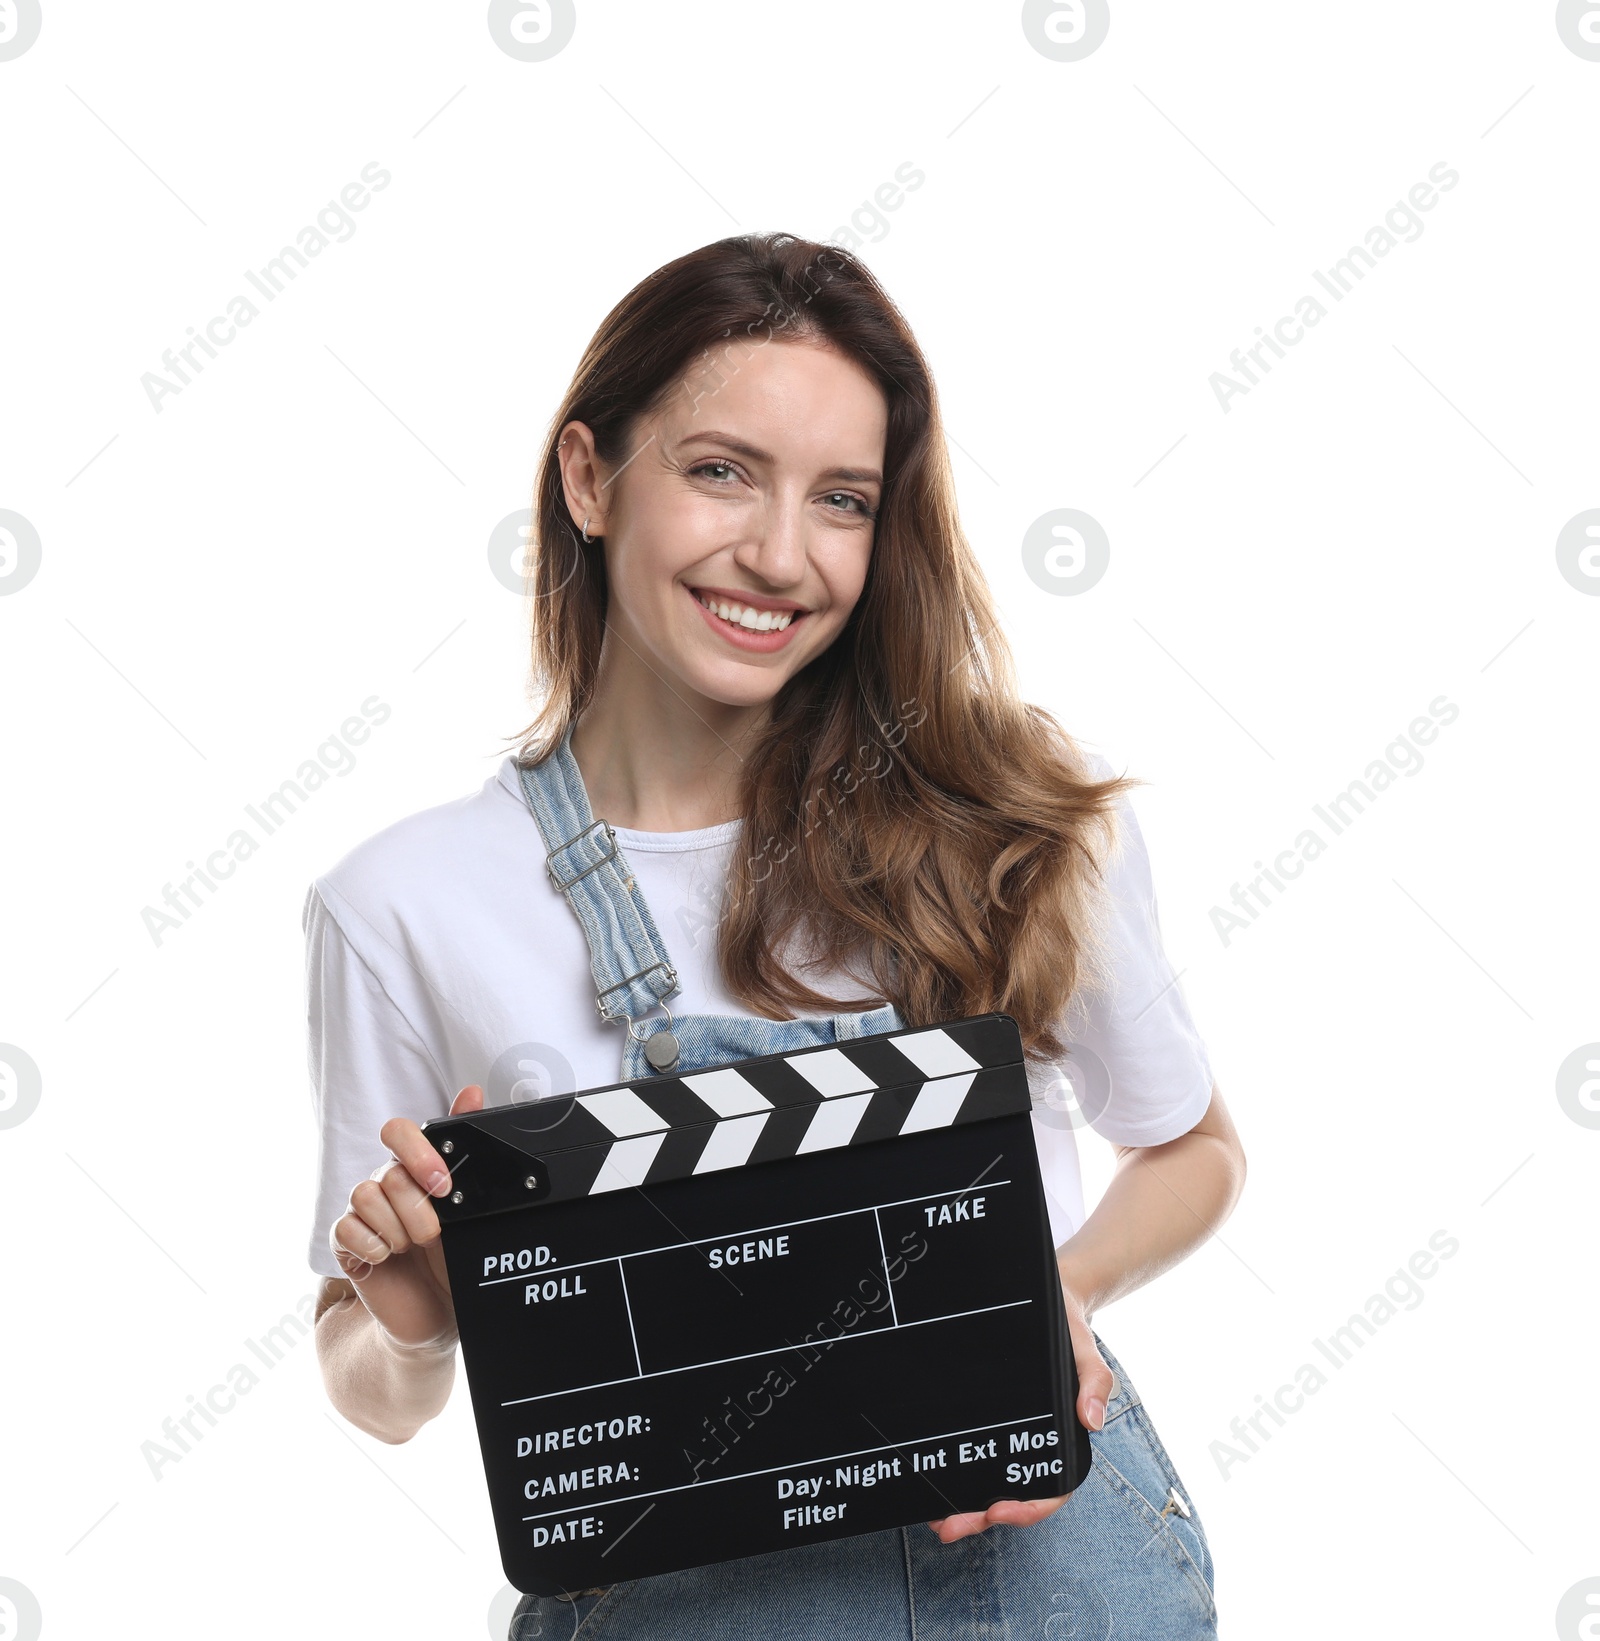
point(908, 820)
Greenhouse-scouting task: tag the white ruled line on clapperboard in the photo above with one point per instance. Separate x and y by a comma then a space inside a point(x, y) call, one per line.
point(804, 1464)
point(770, 1350)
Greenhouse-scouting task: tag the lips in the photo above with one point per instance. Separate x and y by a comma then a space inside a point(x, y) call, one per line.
point(750, 616)
point(770, 630)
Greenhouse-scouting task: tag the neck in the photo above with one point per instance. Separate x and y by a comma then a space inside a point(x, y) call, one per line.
point(657, 759)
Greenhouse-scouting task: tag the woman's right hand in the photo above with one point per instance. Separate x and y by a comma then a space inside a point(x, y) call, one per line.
point(387, 1242)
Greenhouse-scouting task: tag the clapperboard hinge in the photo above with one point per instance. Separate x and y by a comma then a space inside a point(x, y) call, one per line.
point(653, 1129)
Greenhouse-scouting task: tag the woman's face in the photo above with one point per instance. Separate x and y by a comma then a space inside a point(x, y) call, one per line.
point(753, 493)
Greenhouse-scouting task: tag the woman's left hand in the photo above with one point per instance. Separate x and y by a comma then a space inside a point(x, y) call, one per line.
point(1094, 1388)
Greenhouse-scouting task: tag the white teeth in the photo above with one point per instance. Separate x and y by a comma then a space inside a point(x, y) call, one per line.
point(751, 619)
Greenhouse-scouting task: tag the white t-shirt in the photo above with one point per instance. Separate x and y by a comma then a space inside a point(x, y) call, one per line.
point(440, 954)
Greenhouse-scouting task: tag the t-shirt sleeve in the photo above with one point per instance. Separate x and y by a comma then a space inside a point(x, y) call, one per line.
point(367, 1064)
point(1153, 1081)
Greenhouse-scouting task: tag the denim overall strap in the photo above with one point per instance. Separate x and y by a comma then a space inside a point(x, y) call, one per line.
point(632, 971)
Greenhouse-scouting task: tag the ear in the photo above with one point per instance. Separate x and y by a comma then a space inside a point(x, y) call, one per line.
point(582, 477)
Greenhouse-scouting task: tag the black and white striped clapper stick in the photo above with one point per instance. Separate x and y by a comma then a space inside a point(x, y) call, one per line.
point(789, 1298)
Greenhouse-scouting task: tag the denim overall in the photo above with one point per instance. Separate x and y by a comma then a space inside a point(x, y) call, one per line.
point(1124, 1556)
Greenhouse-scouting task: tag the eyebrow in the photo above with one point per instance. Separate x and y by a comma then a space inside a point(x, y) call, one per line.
point(855, 475)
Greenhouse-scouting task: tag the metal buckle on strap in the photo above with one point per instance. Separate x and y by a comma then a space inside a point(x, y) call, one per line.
point(563, 884)
point(606, 1014)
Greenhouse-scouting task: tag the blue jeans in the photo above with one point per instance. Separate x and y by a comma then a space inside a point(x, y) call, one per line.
point(1107, 1566)
point(1118, 1560)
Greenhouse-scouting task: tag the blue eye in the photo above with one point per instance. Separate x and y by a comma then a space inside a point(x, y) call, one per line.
point(706, 468)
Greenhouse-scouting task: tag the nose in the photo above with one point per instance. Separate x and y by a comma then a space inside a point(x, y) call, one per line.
point(776, 552)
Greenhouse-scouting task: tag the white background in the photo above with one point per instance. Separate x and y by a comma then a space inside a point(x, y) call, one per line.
point(1291, 582)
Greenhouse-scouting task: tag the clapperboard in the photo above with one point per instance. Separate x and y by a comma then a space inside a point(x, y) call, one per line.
point(791, 1298)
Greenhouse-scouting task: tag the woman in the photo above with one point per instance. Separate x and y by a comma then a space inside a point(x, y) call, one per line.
point(768, 658)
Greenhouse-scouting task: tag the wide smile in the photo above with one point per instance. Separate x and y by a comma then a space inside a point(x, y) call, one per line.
point(746, 628)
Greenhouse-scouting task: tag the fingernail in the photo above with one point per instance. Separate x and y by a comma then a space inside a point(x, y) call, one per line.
point(438, 1183)
point(1097, 1413)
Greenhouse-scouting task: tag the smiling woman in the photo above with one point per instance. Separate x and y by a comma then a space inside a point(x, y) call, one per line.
point(692, 491)
point(754, 428)
point(750, 586)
